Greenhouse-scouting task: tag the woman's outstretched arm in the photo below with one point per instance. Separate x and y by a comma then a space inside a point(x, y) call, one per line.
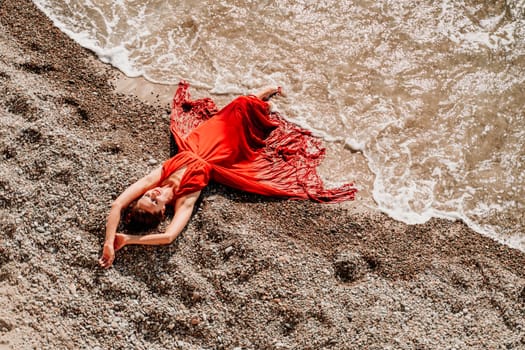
point(183, 210)
point(129, 195)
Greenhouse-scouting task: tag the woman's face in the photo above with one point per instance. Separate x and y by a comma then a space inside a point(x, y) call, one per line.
point(155, 199)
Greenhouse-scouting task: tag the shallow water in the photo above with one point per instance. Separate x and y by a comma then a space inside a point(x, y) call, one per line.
point(430, 92)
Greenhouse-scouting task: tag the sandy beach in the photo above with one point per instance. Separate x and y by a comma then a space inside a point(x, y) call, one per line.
point(247, 273)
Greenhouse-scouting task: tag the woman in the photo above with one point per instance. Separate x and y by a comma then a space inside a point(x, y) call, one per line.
point(243, 146)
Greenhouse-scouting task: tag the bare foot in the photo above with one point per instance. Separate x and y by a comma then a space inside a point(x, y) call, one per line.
point(270, 92)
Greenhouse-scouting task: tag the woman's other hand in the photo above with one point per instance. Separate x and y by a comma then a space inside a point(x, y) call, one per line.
point(121, 240)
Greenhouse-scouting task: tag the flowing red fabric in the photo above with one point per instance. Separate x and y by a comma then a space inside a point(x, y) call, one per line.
point(246, 147)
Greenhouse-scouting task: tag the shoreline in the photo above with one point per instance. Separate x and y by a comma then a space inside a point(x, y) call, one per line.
point(141, 88)
point(248, 272)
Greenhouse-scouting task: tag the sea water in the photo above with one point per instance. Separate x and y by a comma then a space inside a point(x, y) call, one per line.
point(430, 93)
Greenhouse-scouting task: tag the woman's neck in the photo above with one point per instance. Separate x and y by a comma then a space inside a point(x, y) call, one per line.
point(173, 181)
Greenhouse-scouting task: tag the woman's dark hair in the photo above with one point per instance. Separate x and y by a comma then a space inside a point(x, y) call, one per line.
point(138, 219)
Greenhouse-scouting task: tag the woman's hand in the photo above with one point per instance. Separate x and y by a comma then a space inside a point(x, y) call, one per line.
point(121, 240)
point(108, 255)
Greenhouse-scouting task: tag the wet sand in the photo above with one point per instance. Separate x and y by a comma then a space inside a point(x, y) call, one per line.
point(247, 273)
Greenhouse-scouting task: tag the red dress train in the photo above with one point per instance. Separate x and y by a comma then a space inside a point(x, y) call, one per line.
point(246, 147)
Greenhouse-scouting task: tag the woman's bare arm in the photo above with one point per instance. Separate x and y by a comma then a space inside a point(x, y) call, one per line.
point(129, 195)
point(183, 210)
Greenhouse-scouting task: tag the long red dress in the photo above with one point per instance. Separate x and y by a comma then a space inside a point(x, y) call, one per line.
point(246, 147)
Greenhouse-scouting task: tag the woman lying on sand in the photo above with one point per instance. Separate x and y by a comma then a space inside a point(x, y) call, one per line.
point(243, 146)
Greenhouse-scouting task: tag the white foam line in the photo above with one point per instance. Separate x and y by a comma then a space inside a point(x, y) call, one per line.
point(410, 217)
point(117, 56)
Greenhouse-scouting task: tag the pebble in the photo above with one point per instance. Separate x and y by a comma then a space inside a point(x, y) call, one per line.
point(196, 296)
point(152, 161)
point(195, 321)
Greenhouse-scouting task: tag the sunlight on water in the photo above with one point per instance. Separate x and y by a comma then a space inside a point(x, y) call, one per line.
point(430, 92)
